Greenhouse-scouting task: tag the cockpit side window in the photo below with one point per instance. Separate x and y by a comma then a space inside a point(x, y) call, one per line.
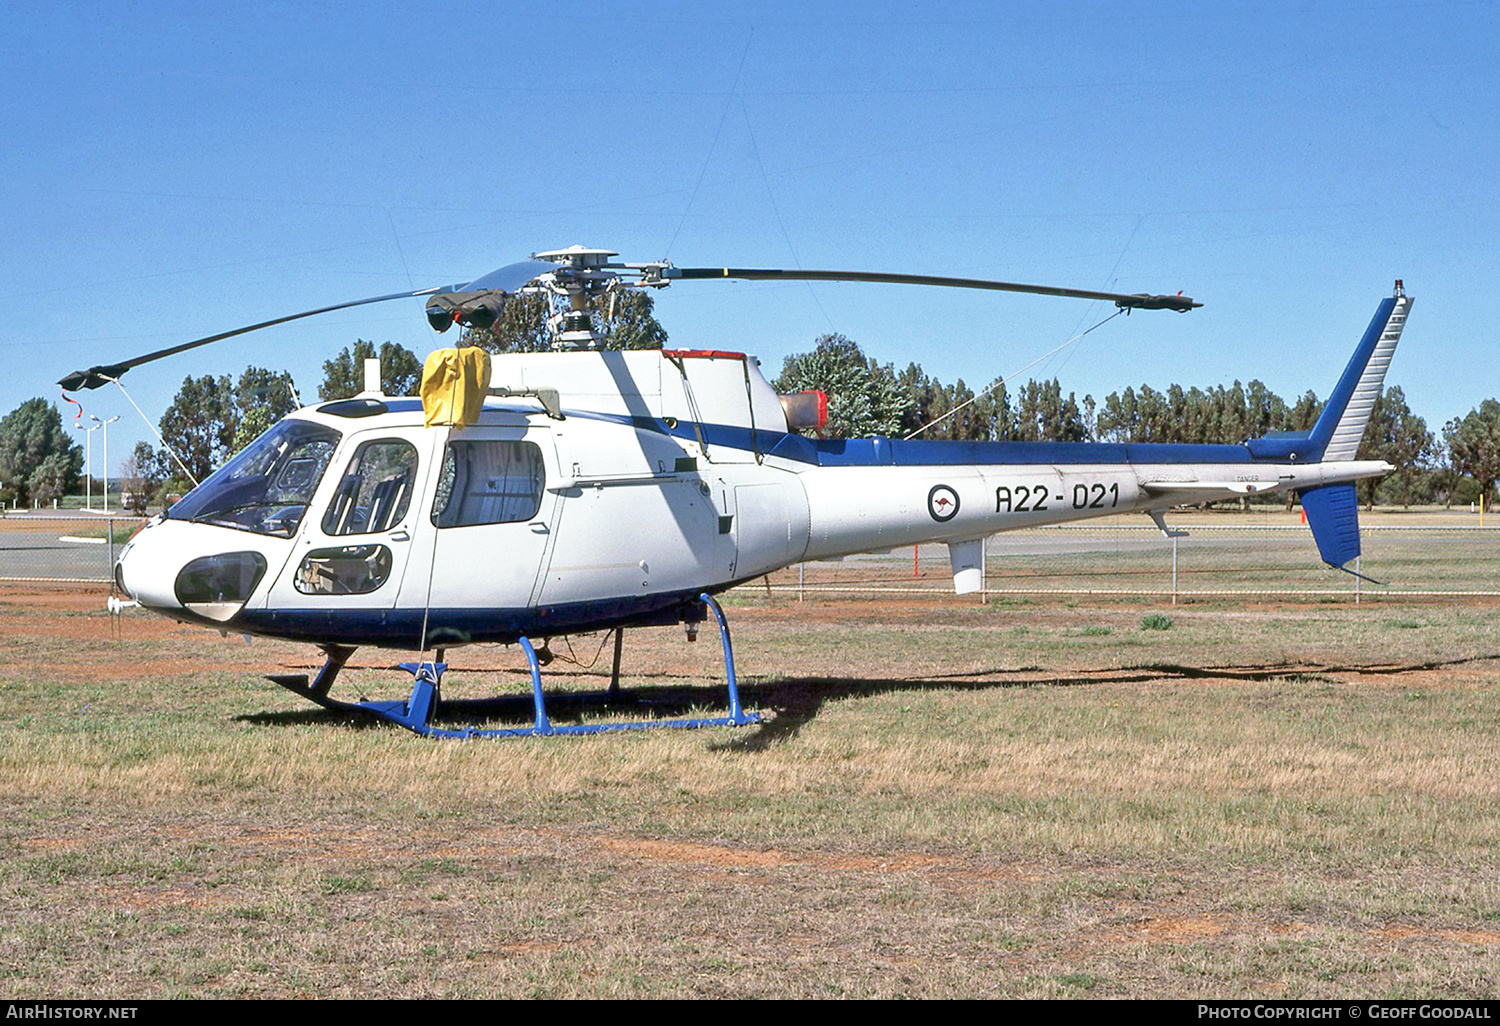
point(376, 489)
point(267, 486)
point(488, 482)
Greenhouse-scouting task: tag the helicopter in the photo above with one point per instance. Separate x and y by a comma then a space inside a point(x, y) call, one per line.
point(529, 496)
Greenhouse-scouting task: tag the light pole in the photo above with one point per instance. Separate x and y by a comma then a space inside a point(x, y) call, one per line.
point(105, 425)
point(88, 462)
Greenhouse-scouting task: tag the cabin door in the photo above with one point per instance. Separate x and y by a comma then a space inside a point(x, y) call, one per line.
point(352, 550)
point(487, 531)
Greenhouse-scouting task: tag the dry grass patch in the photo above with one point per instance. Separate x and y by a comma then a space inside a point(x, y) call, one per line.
point(1263, 801)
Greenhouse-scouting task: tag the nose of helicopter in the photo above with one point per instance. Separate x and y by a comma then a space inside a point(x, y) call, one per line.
point(147, 566)
point(174, 568)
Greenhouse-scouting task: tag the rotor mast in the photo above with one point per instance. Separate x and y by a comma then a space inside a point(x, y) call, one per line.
point(582, 274)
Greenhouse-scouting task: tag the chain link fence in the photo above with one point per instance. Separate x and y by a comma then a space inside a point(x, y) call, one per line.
point(60, 547)
point(1197, 561)
point(1100, 558)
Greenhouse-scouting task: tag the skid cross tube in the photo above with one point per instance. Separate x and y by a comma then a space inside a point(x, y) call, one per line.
point(417, 712)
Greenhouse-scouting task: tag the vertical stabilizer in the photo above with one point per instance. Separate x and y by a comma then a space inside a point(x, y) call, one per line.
point(1333, 515)
point(1342, 423)
point(967, 559)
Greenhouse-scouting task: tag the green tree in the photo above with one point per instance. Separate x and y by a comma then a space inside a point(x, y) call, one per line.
point(1119, 417)
point(521, 327)
point(53, 478)
point(627, 320)
point(262, 398)
point(344, 375)
point(1474, 445)
point(864, 397)
point(38, 461)
point(153, 466)
point(200, 424)
point(923, 405)
point(1401, 438)
point(1304, 414)
point(1265, 411)
point(948, 411)
point(1043, 415)
point(212, 417)
point(1213, 415)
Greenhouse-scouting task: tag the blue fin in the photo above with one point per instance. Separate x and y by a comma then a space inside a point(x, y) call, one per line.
point(1333, 514)
point(1337, 433)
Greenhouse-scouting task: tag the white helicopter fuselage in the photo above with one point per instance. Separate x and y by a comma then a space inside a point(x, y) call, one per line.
point(668, 474)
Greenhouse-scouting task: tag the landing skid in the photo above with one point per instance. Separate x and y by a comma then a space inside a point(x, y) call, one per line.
point(417, 712)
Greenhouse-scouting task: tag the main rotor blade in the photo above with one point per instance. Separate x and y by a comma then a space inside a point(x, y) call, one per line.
point(1137, 301)
point(96, 376)
point(510, 277)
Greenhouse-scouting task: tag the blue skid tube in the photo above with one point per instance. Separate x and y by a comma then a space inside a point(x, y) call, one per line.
point(416, 713)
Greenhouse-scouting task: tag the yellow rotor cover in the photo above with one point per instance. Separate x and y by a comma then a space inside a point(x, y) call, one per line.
point(454, 384)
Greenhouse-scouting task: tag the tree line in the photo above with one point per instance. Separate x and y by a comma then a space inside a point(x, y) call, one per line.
point(212, 417)
point(866, 397)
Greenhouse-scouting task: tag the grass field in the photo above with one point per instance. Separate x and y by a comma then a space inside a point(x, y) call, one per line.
point(1025, 799)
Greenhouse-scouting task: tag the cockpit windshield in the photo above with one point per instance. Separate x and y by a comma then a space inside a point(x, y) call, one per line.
point(266, 488)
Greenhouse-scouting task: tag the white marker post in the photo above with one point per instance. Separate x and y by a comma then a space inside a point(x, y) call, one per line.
point(105, 425)
point(88, 464)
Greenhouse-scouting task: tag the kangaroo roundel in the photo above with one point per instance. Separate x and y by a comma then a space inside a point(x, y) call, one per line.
point(942, 503)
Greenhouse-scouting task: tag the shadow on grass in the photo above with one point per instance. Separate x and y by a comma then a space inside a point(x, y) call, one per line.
point(307, 717)
point(795, 701)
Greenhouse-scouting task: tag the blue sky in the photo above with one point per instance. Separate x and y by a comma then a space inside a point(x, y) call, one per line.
point(172, 170)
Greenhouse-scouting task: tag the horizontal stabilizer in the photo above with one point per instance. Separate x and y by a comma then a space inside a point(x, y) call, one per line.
point(1333, 514)
point(1228, 488)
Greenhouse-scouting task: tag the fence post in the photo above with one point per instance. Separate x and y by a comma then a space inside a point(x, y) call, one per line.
point(1174, 569)
point(984, 565)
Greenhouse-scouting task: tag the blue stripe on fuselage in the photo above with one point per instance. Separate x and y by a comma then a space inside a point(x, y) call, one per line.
point(921, 453)
point(892, 452)
point(403, 628)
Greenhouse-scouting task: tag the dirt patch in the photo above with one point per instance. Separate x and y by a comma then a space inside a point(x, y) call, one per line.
point(724, 857)
point(1460, 936)
point(75, 598)
point(134, 899)
point(1172, 929)
point(325, 847)
point(50, 843)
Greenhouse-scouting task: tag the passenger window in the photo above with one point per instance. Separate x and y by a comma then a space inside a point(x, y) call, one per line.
point(376, 489)
point(351, 570)
point(488, 483)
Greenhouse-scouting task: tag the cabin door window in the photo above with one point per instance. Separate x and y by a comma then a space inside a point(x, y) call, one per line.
point(488, 482)
point(485, 530)
point(375, 491)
